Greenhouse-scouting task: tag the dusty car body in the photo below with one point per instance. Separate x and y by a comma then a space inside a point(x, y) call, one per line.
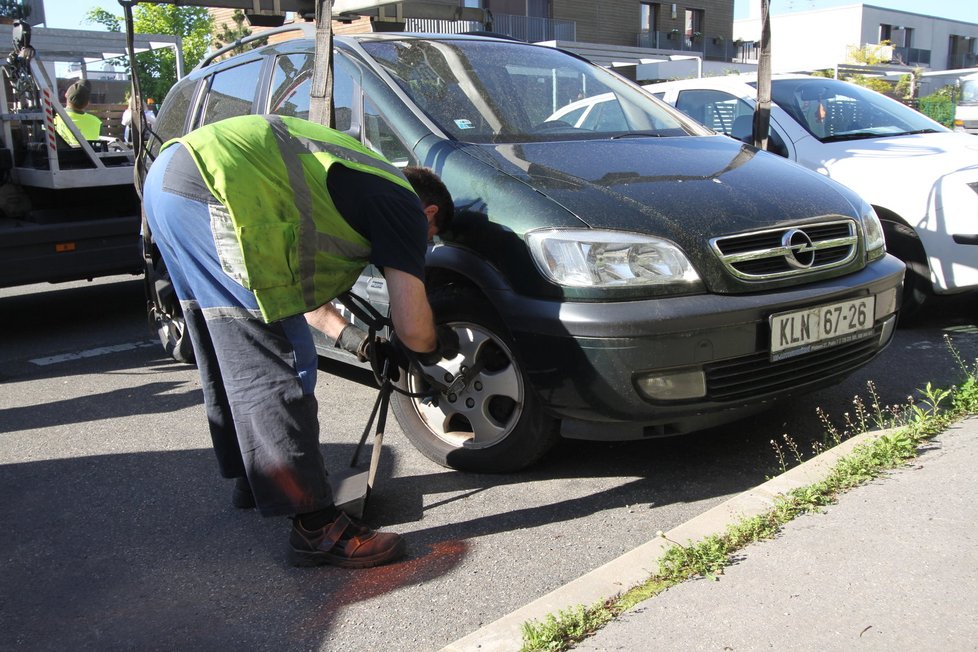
point(609, 283)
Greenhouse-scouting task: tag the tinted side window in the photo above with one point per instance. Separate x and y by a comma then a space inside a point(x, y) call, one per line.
point(380, 137)
point(173, 115)
point(606, 116)
point(292, 80)
point(231, 93)
point(728, 115)
point(717, 110)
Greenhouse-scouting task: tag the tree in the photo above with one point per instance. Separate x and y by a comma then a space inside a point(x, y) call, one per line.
point(227, 35)
point(871, 54)
point(102, 17)
point(158, 69)
point(873, 83)
point(14, 9)
point(906, 87)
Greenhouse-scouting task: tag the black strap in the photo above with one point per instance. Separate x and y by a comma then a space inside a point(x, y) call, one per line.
point(364, 311)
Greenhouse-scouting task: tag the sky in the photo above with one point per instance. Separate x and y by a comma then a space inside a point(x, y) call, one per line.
point(70, 14)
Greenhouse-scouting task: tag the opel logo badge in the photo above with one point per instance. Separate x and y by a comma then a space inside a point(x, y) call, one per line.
point(799, 250)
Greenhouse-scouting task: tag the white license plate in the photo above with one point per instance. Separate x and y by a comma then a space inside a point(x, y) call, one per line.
point(802, 331)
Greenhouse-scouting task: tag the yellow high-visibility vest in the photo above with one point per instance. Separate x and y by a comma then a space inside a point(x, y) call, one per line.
point(277, 230)
point(89, 126)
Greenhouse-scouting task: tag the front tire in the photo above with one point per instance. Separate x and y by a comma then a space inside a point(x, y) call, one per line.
point(902, 242)
point(495, 424)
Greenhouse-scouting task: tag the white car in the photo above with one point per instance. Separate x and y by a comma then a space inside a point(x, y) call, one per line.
point(921, 178)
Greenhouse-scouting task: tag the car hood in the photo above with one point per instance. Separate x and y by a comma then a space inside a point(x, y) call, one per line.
point(688, 189)
point(923, 178)
point(915, 157)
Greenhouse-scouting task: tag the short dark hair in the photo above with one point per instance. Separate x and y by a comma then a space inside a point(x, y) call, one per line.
point(79, 94)
point(431, 190)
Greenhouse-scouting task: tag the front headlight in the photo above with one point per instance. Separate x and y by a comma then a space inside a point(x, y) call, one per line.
point(585, 258)
point(873, 233)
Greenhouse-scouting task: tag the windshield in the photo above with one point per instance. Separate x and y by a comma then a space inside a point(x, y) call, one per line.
point(833, 110)
point(491, 92)
point(969, 92)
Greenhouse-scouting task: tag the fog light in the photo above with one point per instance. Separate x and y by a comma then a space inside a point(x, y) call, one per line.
point(673, 385)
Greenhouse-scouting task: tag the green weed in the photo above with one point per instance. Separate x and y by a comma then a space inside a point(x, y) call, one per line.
point(914, 423)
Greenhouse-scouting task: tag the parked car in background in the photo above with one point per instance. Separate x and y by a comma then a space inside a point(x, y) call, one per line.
point(966, 110)
point(921, 178)
point(619, 279)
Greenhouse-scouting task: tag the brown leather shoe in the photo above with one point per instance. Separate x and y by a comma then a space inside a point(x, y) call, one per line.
point(345, 543)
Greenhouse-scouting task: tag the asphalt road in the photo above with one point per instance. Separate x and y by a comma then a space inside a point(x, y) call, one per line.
point(117, 533)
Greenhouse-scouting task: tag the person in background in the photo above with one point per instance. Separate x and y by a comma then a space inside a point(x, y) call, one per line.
point(77, 99)
point(127, 118)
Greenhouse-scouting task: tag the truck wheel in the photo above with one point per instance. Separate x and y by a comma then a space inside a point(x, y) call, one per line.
point(495, 424)
point(165, 317)
point(172, 331)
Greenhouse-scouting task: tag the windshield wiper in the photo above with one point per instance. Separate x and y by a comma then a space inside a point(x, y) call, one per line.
point(858, 135)
point(918, 131)
point(853, 135)
point(638, 134)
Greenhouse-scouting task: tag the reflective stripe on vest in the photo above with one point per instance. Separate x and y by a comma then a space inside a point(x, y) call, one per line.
point(276, 235)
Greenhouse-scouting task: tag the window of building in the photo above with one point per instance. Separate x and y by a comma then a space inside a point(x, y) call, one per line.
point(694, 22)
point(648, 16)
point(531, 8)
point(886, 32)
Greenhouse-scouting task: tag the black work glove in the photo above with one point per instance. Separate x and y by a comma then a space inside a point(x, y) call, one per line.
point(382, 351)
point(447, 346)
point(354, 339)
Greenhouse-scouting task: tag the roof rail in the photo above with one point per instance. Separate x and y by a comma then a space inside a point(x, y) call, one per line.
point(308, 30)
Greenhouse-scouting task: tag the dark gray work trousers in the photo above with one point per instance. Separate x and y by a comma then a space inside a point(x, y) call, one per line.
point(258, 379)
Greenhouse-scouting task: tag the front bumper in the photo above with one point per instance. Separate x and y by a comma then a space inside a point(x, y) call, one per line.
point(583, 359)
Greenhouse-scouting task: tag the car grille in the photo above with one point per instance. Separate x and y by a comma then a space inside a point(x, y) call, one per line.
point(755, 375)
point(788, 251)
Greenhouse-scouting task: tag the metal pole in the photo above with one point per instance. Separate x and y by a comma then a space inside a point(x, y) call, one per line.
point(762, 114)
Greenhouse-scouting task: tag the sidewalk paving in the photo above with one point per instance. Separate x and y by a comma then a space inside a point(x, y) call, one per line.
point(892, 566)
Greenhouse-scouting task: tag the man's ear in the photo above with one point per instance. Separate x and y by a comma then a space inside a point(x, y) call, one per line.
point(430, 211)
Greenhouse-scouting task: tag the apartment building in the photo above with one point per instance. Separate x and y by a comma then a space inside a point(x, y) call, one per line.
point(700, 27)
point(824, 38)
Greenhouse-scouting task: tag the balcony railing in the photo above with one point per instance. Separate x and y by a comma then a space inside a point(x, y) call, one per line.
point(523, 28)
point(911, 56)
point(533, 30)
point(710, 47)
point(432, 26)
point(962, 60)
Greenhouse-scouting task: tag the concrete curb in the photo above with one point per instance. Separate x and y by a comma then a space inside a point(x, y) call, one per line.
point(636, 566)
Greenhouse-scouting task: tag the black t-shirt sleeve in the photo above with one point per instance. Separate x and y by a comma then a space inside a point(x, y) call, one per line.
point(386, 214)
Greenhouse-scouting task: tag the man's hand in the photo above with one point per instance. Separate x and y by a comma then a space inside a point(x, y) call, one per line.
point(354, 340)
point(382, 351)
point(446, 347)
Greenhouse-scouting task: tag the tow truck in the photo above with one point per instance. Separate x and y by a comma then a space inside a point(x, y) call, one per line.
point(67, 213)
